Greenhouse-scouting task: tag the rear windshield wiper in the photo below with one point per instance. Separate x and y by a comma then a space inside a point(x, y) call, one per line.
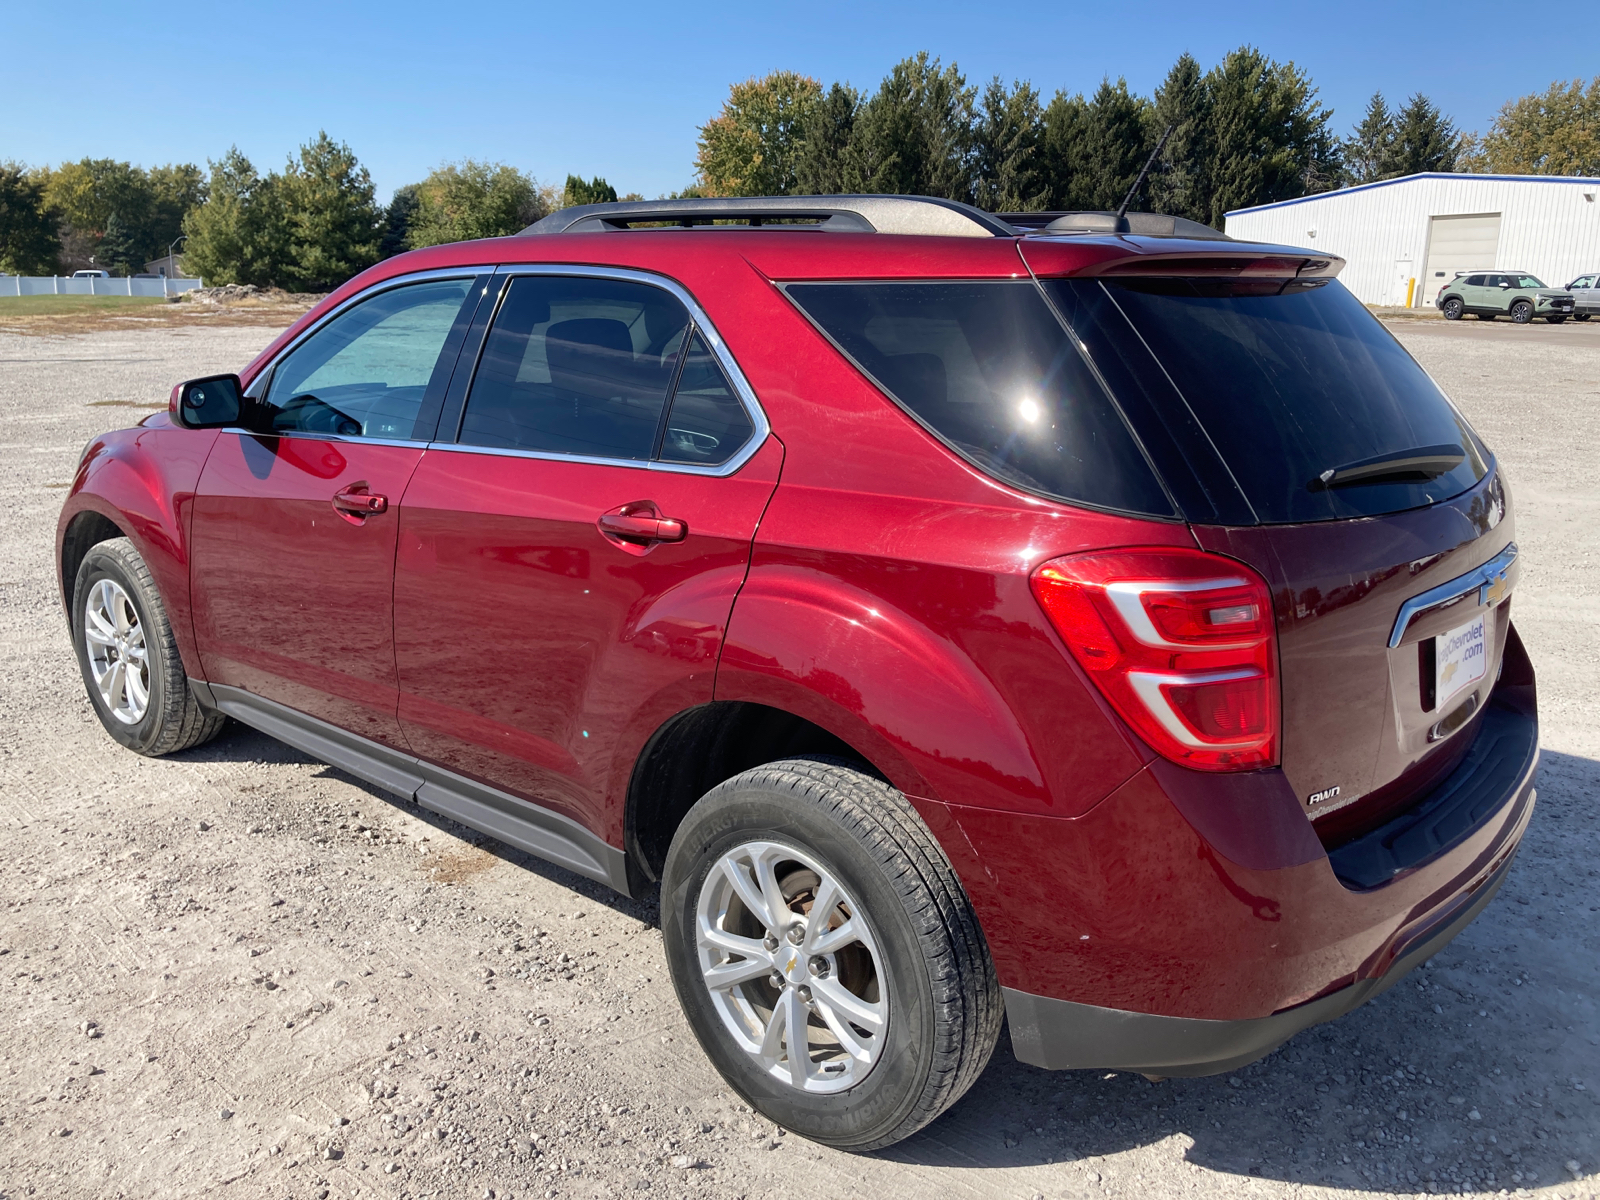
point(1417, 465)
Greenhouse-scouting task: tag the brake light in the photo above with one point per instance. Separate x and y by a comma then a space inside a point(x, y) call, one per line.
point(1182, 645)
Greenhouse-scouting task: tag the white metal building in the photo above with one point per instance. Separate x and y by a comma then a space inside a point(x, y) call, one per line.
point(1406, 238)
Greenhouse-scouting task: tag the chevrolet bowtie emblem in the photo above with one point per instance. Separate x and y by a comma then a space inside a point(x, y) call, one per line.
point(1495, 590)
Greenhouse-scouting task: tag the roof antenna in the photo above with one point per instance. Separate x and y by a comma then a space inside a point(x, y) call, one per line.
point(1149, 162)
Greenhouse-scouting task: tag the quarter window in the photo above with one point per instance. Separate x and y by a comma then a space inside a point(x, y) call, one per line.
point(375, 370)
point(706, 424)
point(576, 366)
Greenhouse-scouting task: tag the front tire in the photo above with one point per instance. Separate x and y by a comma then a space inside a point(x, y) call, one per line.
point(128, 658)
point(808, 894)
point(1522, 312)
point(1452, 309)
point(1581, 316)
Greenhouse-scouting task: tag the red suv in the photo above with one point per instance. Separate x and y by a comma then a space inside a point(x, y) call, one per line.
point(1099, 623)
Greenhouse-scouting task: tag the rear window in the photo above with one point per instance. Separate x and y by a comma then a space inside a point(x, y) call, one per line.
point(988, 368)
point(1303, 396)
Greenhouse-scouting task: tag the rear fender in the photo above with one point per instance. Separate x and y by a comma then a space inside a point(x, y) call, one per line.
point(143, 482)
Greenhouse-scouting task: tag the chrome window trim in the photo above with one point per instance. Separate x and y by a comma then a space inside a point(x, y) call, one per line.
point(308, 436)
point(1479, 580)
point(699, 323)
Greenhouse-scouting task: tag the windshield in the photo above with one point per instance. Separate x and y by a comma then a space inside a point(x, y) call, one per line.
point(1313, 408)
point(1526, 281)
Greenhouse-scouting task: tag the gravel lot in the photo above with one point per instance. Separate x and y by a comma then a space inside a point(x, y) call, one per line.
point(240, 971)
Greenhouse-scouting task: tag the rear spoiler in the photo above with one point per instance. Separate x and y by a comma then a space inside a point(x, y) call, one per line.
point(1259, 263)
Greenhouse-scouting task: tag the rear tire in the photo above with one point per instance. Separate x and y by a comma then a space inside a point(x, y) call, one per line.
point(1452, 309)
point(128, 658)
point(1581, 316)
point(916, 992)
point(1522, 312)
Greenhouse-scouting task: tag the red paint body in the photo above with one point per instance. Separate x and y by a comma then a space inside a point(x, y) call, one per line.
point(855, 573)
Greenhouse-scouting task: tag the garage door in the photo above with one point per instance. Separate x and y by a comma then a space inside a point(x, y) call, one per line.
point(1458, 244)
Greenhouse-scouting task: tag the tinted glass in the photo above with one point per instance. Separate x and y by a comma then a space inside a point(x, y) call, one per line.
point(576, 366)
point(1525, 281)
point(1474, 280)
point(1285, 388)
point(987, 367)
point(368, 371)
point(706, 425)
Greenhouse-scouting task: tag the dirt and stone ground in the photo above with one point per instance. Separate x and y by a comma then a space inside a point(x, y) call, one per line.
point(238, 971)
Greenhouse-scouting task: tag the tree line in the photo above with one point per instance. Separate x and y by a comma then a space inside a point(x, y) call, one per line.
point(1247, 131)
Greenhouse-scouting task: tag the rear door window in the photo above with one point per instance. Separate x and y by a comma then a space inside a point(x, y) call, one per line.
point(1303, 396)
point(987, 367)
point(577, 366)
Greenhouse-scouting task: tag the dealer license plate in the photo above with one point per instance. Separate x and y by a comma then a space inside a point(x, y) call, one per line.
point(1459, 659)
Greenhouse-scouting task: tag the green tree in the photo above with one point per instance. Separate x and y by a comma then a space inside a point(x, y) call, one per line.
point(751, 147)
point(1271, 135)
point(914, 136)
point(1116, 145)
point(459, 202)
point(827, 160)
point(1062, 146)
point(239, 235)
point(1369, 151)
point(27, 230)
point(397, 221)
point(590, 191)
point(332, 221)
point(1180, 182)
point(175, 189)
point(1554, 132)
point(1424, 139)
point(119, 252)
point(1006, 158)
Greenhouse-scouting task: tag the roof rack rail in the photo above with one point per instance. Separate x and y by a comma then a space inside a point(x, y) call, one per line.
point(1137, 223)
point(841, 214)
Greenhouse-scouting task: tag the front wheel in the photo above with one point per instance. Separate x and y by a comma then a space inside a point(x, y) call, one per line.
point(1580, 316)
point(1522, 312)
point(1452, 309)
point(129, 660)
point(825, 953)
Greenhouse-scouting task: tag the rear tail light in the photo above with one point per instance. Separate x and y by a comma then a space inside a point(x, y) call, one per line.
point(1182, 645)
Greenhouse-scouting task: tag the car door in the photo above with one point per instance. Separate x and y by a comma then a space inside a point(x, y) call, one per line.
point(294, 523)
point(570, 550)
point(1585, 297)
point(1470, 289)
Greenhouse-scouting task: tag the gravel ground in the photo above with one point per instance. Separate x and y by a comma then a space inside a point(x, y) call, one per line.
point(240, 971)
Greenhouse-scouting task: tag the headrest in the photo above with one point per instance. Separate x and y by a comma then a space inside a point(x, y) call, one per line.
point(589, 355)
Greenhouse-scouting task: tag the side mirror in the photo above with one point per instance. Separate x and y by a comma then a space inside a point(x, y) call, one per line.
point(210, 403)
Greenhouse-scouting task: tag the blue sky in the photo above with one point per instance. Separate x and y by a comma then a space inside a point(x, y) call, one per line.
point(618, 89)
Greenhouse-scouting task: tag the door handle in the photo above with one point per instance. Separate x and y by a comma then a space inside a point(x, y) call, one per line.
point(642, 527)
point(355, 503)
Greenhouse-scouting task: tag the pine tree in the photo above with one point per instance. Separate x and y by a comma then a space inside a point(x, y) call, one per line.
point(1063, 154)
point(1424, 139)
point(1271, 135)
point(590, 191)
point(334, 225)
point(397, 221)
point(119, 253)
point(1368, 153)
point(1116, 144)
point(827, 159)
point(915, 134)
point(1006, 160)
point(239, 234)
point(1180, 182)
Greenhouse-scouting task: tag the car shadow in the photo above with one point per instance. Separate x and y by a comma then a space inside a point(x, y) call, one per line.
point(1465, 1075)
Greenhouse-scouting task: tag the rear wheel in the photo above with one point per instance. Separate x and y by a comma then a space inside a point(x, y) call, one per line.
point(825, 954)
point(1580, 316)
point(1522, 312)
point(1452, 309)
point(129, 660)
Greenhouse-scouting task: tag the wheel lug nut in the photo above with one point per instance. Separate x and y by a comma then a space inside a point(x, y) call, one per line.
point(818, 966)
point(805, 993)
point(770, 942)
point(776, 980)
point(796, 935)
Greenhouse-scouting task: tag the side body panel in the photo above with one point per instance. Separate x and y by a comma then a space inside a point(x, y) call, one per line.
point(534, 653)
point(143, 481)
point(292, 599)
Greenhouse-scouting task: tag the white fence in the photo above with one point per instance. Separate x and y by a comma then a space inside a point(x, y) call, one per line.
point(63, 285)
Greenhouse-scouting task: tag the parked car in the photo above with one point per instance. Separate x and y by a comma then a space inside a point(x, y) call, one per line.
point(1105, 624)
point(1491, 294)
point(1585, 296)
point(86, 274)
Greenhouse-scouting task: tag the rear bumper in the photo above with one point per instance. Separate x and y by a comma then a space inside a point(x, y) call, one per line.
point(1060, 1035)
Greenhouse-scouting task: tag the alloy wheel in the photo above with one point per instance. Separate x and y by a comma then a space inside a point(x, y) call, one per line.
point(118, 657)
point(791, 967)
